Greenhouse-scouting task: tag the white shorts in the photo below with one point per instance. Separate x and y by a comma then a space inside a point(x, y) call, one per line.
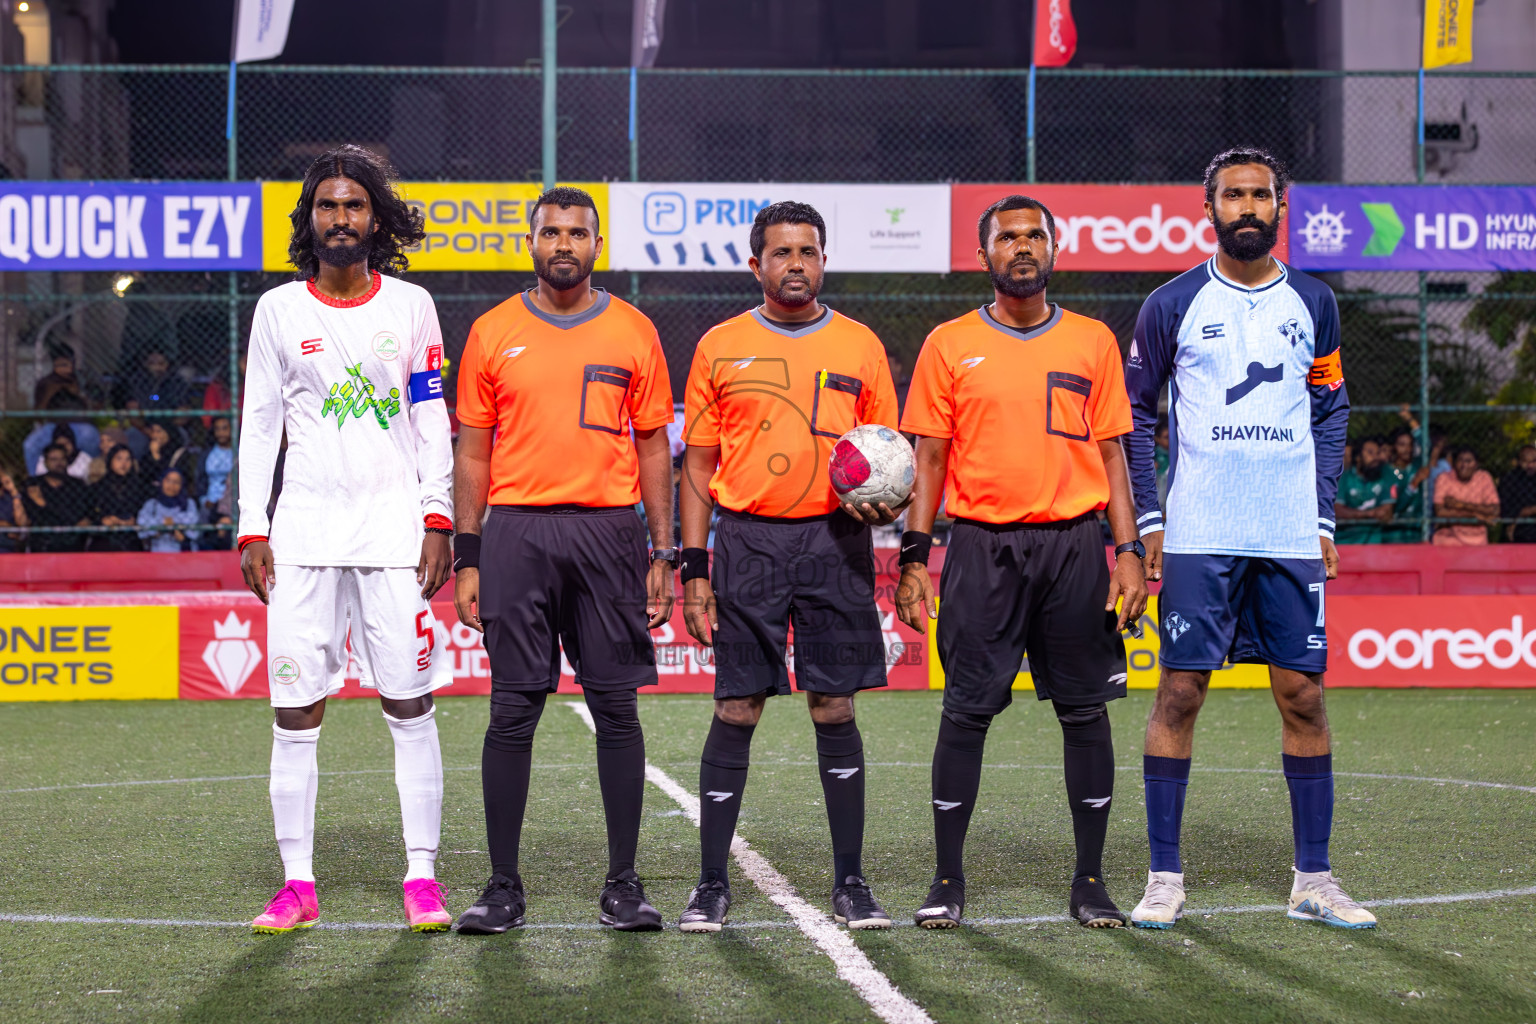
point(399, 646)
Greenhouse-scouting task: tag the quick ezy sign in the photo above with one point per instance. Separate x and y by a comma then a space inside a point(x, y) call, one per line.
point(188, 225)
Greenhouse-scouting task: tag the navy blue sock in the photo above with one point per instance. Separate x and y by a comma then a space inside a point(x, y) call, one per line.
point(1166, 779)
point(1310, 780)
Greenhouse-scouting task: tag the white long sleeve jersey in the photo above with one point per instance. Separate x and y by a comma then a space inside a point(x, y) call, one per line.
point(357, 384)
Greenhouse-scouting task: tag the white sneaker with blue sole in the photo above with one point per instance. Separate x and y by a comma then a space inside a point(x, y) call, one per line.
point(1316, 896)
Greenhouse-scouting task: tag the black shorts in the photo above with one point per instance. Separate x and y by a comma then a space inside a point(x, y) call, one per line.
point(817, 573)
point(1036, 587)
point(563, 575)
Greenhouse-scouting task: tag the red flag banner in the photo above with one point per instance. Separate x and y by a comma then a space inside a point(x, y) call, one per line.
point(1055, 33)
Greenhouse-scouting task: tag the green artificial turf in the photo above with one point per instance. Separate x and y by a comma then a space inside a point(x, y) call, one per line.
point(202, 850)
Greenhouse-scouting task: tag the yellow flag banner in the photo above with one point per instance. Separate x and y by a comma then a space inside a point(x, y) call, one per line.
point(471, 225)
point(1447, 32)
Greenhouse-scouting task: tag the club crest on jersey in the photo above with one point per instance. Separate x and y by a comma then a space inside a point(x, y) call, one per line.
point(1174, 626)
point(386, 346)
point(357, 396)
point(1292, 332)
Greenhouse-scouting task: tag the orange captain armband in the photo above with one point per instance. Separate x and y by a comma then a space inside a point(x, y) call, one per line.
point(1327, 370)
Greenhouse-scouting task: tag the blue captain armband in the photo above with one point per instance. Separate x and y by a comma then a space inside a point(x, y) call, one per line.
point(426, 385)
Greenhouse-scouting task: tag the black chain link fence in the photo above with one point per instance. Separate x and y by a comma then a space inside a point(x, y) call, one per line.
point(1458, 349)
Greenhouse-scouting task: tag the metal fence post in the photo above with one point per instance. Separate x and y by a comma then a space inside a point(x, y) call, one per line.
point(231, 140)
point(549, 126)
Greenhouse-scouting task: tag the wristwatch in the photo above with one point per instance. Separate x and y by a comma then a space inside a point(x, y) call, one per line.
point(1136, 546)
point(665, 555)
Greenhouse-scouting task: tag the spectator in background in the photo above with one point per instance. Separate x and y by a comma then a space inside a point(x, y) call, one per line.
point(1438, 463)
point(1517, 495)
point(13, 512)
point(156, 386)
point(87, 437)
point(1160, 457)
point(111, 437)
point(217, 462)
point(1466, 492)
point(216, 395)
point(62, 379)
point(168, 506)
point(1402, 452)
point(116, 500)
point(55, 498)
point(221, 513)
point(1367, 496)
point(167, 451)
point(78, 463)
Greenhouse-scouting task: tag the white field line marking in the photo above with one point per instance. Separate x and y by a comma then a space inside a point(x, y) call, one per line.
point(849, 960)
point(375, 926)
point(776, 764)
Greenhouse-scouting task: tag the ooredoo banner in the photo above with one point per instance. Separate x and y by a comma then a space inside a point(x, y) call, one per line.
point(1101, 227)
point(705, 226)
point(1432, 641)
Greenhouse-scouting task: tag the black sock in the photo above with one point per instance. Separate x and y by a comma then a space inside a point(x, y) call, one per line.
point(505, 765)
point(620, 774)
point(956, 780)
point(722, 777)
point(1088, 755)
point(840, 762)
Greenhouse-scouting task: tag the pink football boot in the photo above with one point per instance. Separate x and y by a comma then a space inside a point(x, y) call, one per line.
point(424, 909)
point(294, 906)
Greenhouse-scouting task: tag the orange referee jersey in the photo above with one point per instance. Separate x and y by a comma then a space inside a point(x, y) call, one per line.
point(1024, 412)
point(776, 401)
point(562, 393)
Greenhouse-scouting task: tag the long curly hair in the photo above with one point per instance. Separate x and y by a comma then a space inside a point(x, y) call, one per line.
point(399, 226)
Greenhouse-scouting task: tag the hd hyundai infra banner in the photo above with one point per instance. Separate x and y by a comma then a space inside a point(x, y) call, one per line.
point(181, 225)
point(1101, 227)
point(1412, 227)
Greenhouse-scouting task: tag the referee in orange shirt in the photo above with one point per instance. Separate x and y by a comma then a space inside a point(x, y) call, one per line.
point(1020, 405)
point(551, 384)
point(768, 395)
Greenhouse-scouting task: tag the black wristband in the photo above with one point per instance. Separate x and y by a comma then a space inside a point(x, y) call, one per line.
point(915, 547)
point(695, 564)
point(466, 551)
point(439, 529)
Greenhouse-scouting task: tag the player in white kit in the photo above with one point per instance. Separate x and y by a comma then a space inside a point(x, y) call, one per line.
point(346, 360)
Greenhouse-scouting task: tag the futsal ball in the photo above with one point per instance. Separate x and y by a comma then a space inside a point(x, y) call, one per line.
point(872, 464)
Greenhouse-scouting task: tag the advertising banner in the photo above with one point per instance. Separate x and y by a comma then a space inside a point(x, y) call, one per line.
point(1101, 227)
point(471, 225)
point(83, 225)
point(88, 652)
point(1432, 640)
point(705, 226)
point(1413, 227)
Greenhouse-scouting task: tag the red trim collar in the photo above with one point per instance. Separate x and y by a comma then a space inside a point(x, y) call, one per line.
point(345, 303)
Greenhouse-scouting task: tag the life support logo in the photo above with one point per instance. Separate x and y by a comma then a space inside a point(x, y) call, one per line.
point(1462, 648)
point(285, 671)
point(386, 345)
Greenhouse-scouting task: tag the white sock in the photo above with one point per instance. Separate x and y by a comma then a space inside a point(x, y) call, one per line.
point(419, 777)
point(295, 780)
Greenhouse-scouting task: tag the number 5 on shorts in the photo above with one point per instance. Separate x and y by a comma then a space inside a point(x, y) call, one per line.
point(424, 630)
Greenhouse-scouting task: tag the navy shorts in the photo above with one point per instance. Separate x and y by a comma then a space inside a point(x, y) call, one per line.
point(562, 576)
point(1035, 587)
point(1243, 609)
point(818, 574)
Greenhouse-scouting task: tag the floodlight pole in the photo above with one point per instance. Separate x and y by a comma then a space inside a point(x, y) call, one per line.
point(548, 63)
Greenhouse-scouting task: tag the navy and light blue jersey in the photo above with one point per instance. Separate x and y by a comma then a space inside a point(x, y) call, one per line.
point(1257, 413)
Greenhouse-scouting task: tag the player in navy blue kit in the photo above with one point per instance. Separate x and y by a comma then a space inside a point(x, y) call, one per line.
point(1257, 415)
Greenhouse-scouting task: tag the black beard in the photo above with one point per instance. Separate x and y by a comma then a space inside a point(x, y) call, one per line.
point(345, 255)
point(563, 278)
point(795, 300)
point(1020, 288)
point(1368, 472)
point(1247, 248)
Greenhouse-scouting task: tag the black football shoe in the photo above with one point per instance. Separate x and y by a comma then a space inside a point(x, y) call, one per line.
point(944, 906)
point(854, 905)
point(1092, 906)
point(623, 907)
point(499, 908)
point(708, 907)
